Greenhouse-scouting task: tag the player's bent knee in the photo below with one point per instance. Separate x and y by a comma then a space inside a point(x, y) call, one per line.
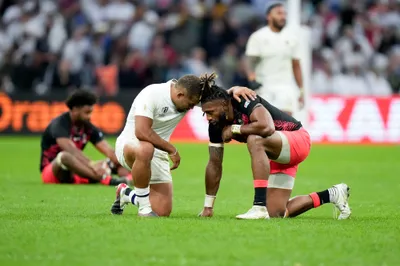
point(162, 208)
point(145, 151)
point(165, 212)
point(161, 198)
point(64, 159)
point(254, 143)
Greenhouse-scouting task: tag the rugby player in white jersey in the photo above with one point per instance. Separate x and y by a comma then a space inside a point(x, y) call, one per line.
point(273, 59)
point(143, 147)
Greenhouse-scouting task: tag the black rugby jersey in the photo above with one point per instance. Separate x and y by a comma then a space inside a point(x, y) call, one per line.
point(62, 127)
point(242, 112)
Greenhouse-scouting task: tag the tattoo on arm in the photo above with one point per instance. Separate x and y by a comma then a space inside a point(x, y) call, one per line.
point(216, 153)
point(252, 62)
point(214, 170)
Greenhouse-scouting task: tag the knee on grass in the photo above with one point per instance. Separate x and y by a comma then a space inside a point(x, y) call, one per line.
point(277, 212)
point(163, 210)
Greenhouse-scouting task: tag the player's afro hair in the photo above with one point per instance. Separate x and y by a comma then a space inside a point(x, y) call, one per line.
point(81, 98)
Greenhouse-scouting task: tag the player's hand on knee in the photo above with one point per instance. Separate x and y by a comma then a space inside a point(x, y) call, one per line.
point(100, 168)
point(244, 92)
point(175, 158)
point(227, 134)
point(100, 172)
point(207, 212)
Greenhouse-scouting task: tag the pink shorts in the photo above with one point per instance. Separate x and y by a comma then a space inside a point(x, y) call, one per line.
point(48, 177)
point(300, 145)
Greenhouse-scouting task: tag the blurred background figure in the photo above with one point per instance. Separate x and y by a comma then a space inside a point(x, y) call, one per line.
point(50, 45)
point(273, 61)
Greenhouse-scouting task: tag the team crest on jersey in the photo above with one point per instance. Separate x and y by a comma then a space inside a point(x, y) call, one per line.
point(246, 104)
point(164, 110)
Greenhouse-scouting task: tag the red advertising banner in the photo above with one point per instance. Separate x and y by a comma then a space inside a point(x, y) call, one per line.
point(331, 120)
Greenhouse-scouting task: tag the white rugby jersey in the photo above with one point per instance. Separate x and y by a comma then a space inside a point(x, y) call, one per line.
point(276, 50)
point(154, 102)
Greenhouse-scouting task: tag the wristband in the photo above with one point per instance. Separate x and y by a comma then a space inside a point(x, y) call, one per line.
point(173, 154)
point(209, 201)
point(236, 129)
point(301, 92)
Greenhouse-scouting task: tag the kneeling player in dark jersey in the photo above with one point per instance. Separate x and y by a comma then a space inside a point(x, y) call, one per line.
point(62, 159)
point(277, 144)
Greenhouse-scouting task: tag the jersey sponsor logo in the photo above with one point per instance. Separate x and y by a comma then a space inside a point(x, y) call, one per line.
point(33, 116)
point(246, 104)
point(82, 138)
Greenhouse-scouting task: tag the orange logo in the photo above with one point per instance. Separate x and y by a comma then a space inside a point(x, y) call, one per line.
point(34, 116)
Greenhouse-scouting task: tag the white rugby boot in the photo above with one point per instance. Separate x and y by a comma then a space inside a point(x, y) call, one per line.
point(339, 196)
point(256, 212)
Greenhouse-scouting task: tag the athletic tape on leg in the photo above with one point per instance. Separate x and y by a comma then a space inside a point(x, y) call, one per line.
point(58, 161)
point(281, 180)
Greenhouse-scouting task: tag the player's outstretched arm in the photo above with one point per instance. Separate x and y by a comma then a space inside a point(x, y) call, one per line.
point(144, 132)
point(213, 177)
point(214, 169)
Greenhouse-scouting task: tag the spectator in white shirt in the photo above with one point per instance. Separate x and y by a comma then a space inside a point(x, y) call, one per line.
point(143, 31)
point(379, 86)
point(73, 56)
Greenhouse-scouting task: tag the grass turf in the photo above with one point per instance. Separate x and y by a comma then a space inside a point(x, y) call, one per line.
point(66, 224)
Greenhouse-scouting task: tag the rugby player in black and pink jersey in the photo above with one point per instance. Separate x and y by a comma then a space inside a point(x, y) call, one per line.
point(277, 144)
point(62, 159)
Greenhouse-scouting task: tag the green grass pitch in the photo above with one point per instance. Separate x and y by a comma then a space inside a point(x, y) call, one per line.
point(72, 225)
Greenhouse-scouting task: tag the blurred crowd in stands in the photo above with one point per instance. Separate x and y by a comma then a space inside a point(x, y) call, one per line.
point(112, 45)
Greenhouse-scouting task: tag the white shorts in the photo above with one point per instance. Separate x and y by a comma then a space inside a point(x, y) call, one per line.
point(284, 98)
point(160, 168)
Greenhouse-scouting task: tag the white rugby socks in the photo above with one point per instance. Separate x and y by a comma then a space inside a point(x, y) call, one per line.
point(143, 199)
point(139, 197)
